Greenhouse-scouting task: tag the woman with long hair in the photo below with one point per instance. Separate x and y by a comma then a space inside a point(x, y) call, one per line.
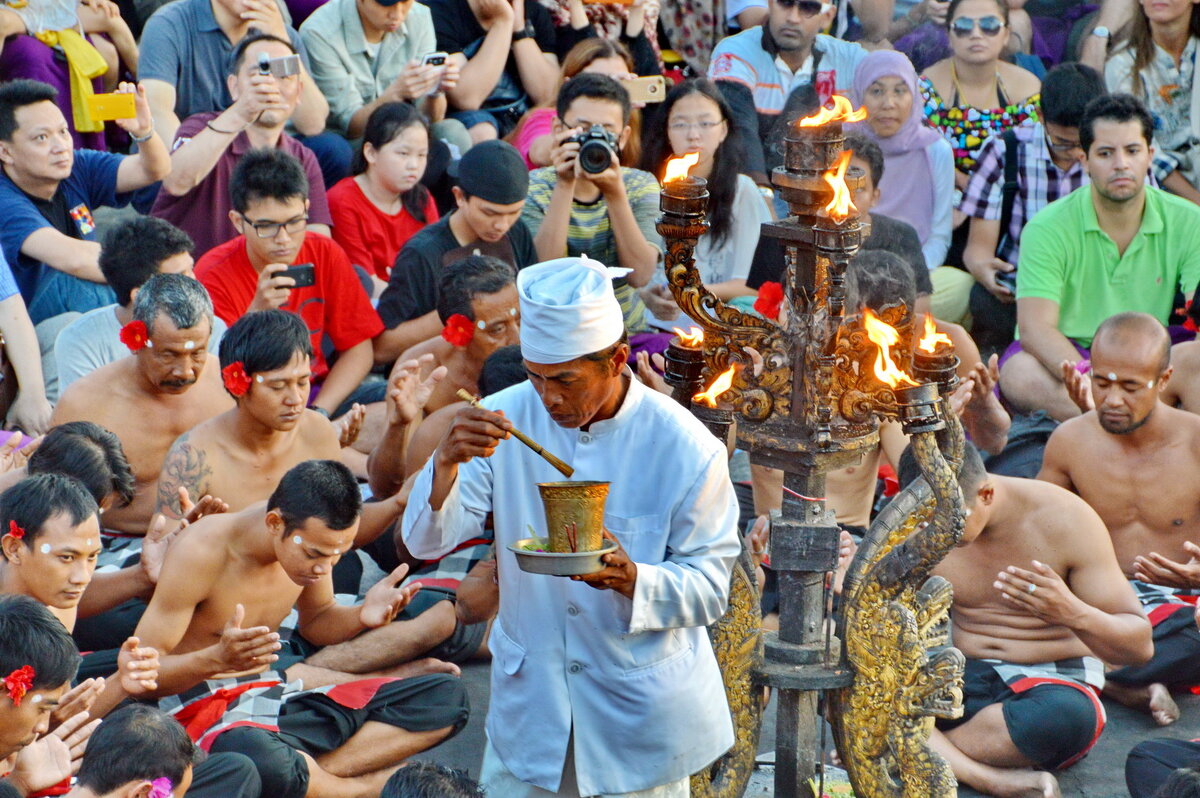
point(1158, 65)
point(534, 134)
point(974, 94)
point(696, 119)
point(383, 204)
point(918, 184)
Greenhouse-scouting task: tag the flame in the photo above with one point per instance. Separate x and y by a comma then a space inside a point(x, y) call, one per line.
point(885, 337)
point(720, 385)
point(840, 207)
point(692, 339)
point(677, 168)
point(930, 340)
point(842, 111)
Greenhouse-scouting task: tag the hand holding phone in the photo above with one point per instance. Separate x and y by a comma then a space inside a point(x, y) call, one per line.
point(105, 107)
point(304, 274)
point(650, 89)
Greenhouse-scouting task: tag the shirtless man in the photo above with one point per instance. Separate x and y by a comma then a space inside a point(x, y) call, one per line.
point(477, 305)
point(227, 584)
point(1184, 390)
point(1125, 459)
point(50, 543)
point(168, 386)
point(242, 454)
point(1033, 642)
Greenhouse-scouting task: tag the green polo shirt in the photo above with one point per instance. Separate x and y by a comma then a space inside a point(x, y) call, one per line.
point(347, 72)
point(1066, 257)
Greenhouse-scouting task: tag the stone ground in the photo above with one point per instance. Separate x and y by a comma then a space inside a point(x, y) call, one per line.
point(1100, 775)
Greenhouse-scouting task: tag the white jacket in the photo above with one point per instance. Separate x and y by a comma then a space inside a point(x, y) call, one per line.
point(636, 680)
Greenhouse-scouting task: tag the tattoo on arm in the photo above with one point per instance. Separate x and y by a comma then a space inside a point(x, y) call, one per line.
point(185, 466)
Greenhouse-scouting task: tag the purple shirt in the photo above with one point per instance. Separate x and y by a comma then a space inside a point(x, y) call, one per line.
point(203, 212)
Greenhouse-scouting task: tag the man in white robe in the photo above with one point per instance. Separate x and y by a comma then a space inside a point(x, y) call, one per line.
point(602, 685)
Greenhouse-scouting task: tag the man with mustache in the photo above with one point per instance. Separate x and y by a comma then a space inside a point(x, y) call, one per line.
point(1123, 458)
point(1108, 247)
point(170, 384)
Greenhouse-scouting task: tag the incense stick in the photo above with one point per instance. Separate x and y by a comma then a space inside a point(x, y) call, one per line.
point(562, 467)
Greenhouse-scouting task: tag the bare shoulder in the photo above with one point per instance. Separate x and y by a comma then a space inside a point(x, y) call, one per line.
point(79, 400)
point(435, 346)
point(1021, 83)
point(318, 437)
point(1186, 356)
point(1062, 517)
point(1185, 422)
point(201, 549)
point(939, 75)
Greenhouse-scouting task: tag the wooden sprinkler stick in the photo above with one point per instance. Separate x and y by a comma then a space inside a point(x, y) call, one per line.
point(562, 467)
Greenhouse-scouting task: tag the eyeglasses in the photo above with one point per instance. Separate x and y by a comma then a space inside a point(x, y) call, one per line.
point(703, 126)
point(271, 229)
point(989, 26)
point(1057, 145)
point(807, 8)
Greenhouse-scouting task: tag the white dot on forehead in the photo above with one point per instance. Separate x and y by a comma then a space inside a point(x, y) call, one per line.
point(1111, 376)
point(189, 345)
point(149, 343)
point(89, 541)
point(512, 311)
point(297, 540)
point(258, 378)
point(37, 699)
point(45, 548)
point(481, 324)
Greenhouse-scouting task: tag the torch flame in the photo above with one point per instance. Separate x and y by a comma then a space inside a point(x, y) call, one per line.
point(930, 340)
point(842, 111)
point(720, 385)
point(840, 207)
point(677, 168)
point(885, 336)
point(692, 339)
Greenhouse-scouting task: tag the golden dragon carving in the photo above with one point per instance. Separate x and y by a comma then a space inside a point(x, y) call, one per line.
point(894, 619)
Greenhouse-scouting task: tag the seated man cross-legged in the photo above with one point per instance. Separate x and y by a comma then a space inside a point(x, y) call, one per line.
point(1039, 602)
point(227, 584)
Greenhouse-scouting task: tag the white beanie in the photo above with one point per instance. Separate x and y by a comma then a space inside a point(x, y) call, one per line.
point(568, 309)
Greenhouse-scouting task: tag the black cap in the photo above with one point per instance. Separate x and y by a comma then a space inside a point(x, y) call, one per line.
point(493, 171)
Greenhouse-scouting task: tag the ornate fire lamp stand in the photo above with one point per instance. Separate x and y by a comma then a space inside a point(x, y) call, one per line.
point(813, 405)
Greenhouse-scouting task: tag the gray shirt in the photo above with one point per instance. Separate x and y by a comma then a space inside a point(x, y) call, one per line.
point(184, 46)
point(351, 73)
point(94, 340)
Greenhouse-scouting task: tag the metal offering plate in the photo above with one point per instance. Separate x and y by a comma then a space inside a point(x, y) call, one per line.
point(571, 563)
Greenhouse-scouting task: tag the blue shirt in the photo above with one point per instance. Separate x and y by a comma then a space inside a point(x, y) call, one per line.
point(8, 284)
point(91, 184)
point(184, 46)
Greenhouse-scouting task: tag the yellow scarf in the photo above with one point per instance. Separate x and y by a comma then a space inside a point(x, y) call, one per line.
point(84, 62)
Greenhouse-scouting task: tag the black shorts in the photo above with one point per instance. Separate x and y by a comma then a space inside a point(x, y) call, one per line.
point(316, 724)
point(1176, 660)
point(1053, 725)
point(463, 642)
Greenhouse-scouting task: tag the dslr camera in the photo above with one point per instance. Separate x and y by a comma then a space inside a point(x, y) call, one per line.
point(596, 149)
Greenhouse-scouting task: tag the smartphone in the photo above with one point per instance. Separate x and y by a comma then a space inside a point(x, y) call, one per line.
point(104, 107)
point(282, 67)
point(304, 274)
point(1008, 280)
point(652, 89)
point(435, 59)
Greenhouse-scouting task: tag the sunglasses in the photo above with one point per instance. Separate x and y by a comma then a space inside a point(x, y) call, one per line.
point(807, 8)
point(989, 26)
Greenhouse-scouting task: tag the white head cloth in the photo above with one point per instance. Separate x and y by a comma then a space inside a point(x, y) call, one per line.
point(568, 309)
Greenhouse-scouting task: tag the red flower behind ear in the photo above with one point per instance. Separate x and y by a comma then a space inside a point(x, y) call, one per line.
point(18, 683)
point(459, 330)
point(237, 381)
point(15, 531)
point(770, 297)
point(135, 335)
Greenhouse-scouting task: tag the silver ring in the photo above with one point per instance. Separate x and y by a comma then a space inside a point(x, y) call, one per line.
point(1032, 588)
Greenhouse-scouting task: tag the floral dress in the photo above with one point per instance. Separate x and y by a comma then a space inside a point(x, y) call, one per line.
point(968, 128)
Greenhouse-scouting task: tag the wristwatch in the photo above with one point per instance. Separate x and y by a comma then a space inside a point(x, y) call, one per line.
point(1102, 32)
point(527, 32)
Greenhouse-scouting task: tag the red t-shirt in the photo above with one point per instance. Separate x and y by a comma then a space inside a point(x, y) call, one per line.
point(372, 238)
point(336, 305)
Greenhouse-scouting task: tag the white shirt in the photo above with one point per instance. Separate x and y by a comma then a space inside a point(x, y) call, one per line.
point(636, 680)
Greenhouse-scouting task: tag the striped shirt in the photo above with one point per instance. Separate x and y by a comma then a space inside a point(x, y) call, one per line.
point(1039, 182)
point(589, 231)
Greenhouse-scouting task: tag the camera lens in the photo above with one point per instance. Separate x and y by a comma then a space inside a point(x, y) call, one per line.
point(595, 156)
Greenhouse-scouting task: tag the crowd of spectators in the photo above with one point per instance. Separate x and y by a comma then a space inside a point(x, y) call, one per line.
point(251, 250)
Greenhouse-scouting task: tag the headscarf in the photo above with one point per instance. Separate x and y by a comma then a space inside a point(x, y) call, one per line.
point(906, 189)
point(568, 310)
